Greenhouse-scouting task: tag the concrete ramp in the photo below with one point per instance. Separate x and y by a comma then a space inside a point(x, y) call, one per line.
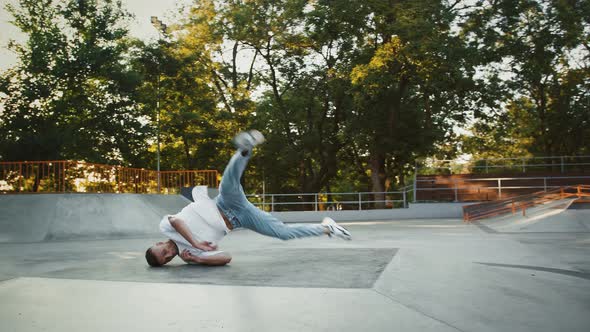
point(36, 218)
point(554, 217)
point(576, 221)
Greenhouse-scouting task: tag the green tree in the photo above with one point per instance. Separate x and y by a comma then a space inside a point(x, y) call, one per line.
point(541, 49)
point(204, 97)
point(338, 87)
point(304, 104)
point(268, 38)
point(72, 94)
point(190, 123)
point(503, 136)
point(412, 83)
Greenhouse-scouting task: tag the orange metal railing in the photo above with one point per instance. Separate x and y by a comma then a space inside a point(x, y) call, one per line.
point(60, 176)
point(520, 204)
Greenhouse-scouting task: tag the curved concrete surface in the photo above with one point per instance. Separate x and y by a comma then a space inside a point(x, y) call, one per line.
point(557, 216)
point(34, 218)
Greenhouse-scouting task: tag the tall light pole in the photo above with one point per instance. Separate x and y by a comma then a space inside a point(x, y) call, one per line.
point(161, 27)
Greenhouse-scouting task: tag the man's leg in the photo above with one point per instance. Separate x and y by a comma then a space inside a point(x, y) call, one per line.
point(231, 195)
point(266, 224)
point(230, 187)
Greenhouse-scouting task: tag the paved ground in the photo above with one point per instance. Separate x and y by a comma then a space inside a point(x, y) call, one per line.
point(421, 275)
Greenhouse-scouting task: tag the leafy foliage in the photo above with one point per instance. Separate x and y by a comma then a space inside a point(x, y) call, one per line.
point(541, 47)
point(73, 94)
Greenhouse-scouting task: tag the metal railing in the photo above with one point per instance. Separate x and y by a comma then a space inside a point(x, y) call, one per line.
point(331, 201)
point(61, 176)
point(77, 176)
point(559, 164)
point(520, 204)
point(499, 187)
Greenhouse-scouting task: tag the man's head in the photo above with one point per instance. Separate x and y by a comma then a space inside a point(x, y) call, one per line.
point(161, 253)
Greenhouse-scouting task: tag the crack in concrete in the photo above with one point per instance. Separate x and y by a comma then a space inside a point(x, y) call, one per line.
point(418, 311)
point(7, 280)
point(485, 228)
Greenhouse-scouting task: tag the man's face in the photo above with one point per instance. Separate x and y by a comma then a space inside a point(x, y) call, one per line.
point(164, 251)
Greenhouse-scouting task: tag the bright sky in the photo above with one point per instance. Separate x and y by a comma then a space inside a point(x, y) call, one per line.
point(141, 27)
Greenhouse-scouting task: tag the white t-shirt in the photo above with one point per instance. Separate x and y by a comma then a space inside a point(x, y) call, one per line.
point(204, 221)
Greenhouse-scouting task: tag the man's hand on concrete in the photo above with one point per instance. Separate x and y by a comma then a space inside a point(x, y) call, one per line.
point(186, 256)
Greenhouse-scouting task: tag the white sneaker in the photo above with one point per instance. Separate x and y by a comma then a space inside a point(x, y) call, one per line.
point(336, 229)
point(247, 140)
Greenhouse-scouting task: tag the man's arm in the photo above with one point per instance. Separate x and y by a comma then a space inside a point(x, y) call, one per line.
point(218, 259)
point(180, 226)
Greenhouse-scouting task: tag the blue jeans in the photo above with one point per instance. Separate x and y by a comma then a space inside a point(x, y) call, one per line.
point(233, 203)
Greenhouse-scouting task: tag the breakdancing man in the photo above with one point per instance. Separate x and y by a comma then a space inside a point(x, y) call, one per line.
point(194, 232)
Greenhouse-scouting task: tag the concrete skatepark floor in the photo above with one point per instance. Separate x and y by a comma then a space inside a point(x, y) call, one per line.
point(299, 267)
point(414, 275)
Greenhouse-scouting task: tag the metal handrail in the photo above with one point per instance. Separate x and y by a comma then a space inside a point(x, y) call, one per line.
point(360, 201)
point(492, 163)
point(513, 178)
point(521, 203)
point(333, 194)
point(267, 200)
point(511, 158)
point(454, 184)
point(339, 202)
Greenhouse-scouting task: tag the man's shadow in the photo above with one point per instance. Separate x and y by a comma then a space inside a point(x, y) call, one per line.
point(189, 267)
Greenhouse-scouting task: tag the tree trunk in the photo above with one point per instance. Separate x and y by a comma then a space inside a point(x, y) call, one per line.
point(187, 153)
point(541, 103)
point(377, 165)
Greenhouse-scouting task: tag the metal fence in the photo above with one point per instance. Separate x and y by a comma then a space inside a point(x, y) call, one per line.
point(78, 176)
point(560, 164)
point(493, 188)
point(331, 201)
point(64, 176)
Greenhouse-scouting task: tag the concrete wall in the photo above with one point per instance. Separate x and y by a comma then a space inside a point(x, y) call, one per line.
point(41, 217)
point(414, 211)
